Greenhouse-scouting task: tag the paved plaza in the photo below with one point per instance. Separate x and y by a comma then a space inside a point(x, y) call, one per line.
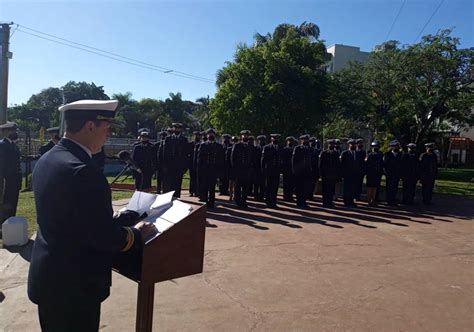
point(284, 269)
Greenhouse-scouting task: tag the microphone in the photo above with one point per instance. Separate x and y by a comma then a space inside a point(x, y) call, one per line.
point(125, 157)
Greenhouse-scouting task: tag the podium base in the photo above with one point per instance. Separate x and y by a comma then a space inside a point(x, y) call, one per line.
point(145, 300)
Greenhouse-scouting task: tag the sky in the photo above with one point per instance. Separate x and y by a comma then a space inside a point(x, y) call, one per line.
point(193, 37)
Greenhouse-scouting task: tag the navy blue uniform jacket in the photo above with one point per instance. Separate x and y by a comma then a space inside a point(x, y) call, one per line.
point(77, 236)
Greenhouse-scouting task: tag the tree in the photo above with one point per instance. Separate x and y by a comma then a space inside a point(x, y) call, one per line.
point(408, 92)
point(436, 83)
point(278, 85)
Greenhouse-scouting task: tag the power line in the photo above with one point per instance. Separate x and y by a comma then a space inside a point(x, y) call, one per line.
point(395, 20)
point(110, 55)
point(429, 20)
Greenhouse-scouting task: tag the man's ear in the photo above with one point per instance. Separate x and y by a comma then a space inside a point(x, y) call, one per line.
point(90, 125)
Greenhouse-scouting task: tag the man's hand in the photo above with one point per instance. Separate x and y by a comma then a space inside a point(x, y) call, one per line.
point(147, 230)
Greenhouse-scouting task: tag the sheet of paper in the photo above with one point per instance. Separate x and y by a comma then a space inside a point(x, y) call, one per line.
point(176, 212)
point(141, 202)
point(162, 200)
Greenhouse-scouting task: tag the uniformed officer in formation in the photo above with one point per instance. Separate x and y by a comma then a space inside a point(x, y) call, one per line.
point(193, 179)
point(210, 163)
point(428, 172)
point(231, 169)
point(301, 167)
point(374, 170)
point(144, 155)
point(271, 163)
point(329, 169)
point(315, 146)
point(259, 182)
point(393, 167)
point(242, 159)
point(362, 154)
point(288, 177)
point(174, 154)
point(352, 170)
point(224, 177)
point(409, 174)
point(159, 161)
point(54, 138)
point(10, 171)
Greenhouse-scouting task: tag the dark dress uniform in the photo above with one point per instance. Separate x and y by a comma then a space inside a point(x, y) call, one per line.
point(175, 154)
point(193, 178)
point(210, 162)
point(224, 177)
point(242, 159)
point(410, 174)
point(271, 168)
point(77, 237)
point(144, 155)
point(329, 169)
point(301, 167)
point(374, 171)
point(259, 177)
point(10, 178)
point(315, 152)
point(428, 174)
point(159, 164)
point(351, 168)
point(231, 171)
point(98, 160)
point(393, 167)
point(288, 177)
point(361, 155)
point(46, 147)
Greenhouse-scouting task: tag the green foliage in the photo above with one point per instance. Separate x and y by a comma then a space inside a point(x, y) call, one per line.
point(41, 109)
point(410, 92)
point(277, 85)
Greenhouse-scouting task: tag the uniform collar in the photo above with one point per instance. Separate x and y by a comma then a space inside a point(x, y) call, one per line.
point(86, 150)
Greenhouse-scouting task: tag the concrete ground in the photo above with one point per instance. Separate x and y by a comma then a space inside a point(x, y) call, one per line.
point(284, 269)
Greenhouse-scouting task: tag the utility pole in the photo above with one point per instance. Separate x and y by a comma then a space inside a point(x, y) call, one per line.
point(5, 55)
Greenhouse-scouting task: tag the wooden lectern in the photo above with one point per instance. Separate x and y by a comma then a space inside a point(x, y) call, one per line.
point(175, 253)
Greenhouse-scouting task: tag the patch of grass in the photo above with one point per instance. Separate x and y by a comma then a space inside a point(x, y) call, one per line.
point(456, 174)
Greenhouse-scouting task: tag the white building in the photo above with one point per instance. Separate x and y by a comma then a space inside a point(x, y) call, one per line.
point(342, 55)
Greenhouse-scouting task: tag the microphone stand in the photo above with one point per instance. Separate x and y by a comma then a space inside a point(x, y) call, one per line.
point(125, 168)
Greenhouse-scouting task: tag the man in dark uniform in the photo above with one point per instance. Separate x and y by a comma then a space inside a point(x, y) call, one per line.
point(242, 159)
point(271, 168)
point(374, 171)
point(393, 166)
point(301, 167)
point(54, 138)
point(175, 154)
point(288, 177)
point(10, 171)
point(315, 146)
point(362, 154)
point(351, 168)
point(338, 191)
point(428, 172)
point(159, 161)
point(410, 174)
point(259, 184)
point(210, 162)
point(144, 155)
point(70, 270)
point(329, 169)
point(232, 175)
point(224, 176)
point(193, 178)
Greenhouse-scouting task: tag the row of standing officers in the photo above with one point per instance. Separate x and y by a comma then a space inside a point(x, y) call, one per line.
point(243, 168)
